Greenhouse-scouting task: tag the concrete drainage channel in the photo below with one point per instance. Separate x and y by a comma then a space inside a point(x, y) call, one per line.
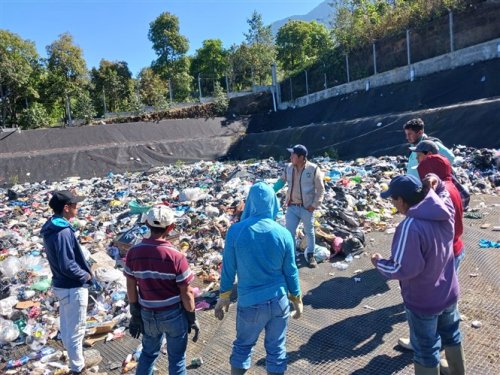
point(353, 327)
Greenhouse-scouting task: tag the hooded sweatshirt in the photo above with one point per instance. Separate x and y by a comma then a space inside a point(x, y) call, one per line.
point(441, 167)
point(67, 262)
point(260, 251)
point(411, 168)
point(422, 257)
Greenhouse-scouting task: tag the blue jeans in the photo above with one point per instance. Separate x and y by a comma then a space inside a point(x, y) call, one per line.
point(429, 332)
point(458, 260)
point(73, 304)
point(272, 316)
point(293, 216)
point(171, 323)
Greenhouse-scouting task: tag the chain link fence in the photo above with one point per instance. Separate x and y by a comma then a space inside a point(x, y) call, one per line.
point(476, 24)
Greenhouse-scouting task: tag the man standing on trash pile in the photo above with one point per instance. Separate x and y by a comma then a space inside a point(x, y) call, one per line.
point(414, 131)
point(423, 262)
point(262, 254)
point(304, 195)
point(160, 295)
point(71, 276)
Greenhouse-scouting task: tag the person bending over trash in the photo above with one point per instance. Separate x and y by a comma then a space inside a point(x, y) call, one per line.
point(414, 132)
point(160, 295)
point(304, 195)
point(262, 254)
point(423, 262)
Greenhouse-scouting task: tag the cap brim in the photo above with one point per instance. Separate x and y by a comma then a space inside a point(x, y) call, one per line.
point(77, 199)
point(386, 194)
point(290, 150)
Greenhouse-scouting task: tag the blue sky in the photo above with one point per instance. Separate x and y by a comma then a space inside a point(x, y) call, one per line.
point(117, 30)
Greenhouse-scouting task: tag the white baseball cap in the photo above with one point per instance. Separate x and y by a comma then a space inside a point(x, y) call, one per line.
point(160, 217)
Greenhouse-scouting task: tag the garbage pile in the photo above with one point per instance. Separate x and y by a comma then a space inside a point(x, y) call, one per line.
point(207, 198)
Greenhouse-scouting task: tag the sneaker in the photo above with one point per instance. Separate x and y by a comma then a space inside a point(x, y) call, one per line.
point(312, 261)
point(405, 343)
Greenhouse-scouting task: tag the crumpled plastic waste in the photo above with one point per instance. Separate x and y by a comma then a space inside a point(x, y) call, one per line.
point(488, 244)
point(207, 197)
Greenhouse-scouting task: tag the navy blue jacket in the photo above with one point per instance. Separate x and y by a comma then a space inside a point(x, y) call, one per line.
point(67, 263)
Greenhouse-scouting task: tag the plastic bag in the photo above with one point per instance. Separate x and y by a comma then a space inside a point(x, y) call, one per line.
point(10, 266)
point(7, 304)
point(321, 254)
point(8, 331)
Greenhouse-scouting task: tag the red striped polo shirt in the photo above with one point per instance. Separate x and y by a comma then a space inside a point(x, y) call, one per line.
point(159, 269)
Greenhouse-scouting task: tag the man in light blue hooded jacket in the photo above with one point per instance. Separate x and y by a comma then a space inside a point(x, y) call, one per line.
point(261, 252)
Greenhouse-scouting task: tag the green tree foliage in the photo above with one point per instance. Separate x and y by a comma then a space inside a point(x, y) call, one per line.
point(67, 70)
point(84, 107)
point(261, 48)
point(35, 116)
point(239, 68)
point(113, 83)
point(152, 89)
point(171, 47)
point(301, 44)
point(20, 72)
point(359, 22)
point(210, 60)
point(221, 100)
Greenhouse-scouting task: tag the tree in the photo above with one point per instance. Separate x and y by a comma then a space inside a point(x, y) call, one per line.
point(170, 47)
point(210, 60)
point(152, 89)
point(301, 43)
point(261, 48)
point(84, 107)
point(113, 83)
point(67, 70)
point(20, 71)
point(35, 116)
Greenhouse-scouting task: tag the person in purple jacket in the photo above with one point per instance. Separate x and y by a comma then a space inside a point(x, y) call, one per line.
point(423, 262)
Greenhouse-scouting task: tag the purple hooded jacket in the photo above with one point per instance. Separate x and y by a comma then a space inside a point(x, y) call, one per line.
point(422, 257)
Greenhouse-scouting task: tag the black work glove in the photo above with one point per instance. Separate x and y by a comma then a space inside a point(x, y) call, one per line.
point(136, 326)
point(193, 324)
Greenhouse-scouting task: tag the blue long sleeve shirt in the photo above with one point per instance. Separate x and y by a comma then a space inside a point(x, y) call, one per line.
point(260, 251)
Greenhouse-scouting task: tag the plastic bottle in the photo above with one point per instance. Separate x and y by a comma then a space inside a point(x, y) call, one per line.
point(13, 363)
point(45, 351)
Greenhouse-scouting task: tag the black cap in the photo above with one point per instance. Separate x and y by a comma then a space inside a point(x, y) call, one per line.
point(298, 150)
point(63, 197)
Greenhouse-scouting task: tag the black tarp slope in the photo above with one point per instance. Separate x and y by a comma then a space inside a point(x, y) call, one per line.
point(459, 106)
point(88, 151)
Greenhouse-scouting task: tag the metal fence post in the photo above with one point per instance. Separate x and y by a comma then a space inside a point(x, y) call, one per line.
point(347, 67)
point(307, 83)
point(170, 90)
point(291, 89)
point(408, 53)
point(199, 86)
point(450, 24)
point(374, 59)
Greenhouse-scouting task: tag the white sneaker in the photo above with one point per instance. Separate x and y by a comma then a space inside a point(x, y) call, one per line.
point(405, 343)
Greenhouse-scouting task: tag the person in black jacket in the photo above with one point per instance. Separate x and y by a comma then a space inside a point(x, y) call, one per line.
point(71, 274)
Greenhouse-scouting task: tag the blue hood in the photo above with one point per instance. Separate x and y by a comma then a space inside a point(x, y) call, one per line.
point(55, 224)
point(261, 202)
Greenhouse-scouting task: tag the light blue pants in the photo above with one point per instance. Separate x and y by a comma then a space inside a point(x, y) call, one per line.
point(73, 315)
point(272, 316)
point(293, 216)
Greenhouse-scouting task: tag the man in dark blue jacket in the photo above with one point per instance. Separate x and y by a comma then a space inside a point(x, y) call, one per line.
point(71, 274)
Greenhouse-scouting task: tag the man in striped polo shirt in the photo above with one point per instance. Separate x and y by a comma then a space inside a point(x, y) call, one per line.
point(160, 296)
